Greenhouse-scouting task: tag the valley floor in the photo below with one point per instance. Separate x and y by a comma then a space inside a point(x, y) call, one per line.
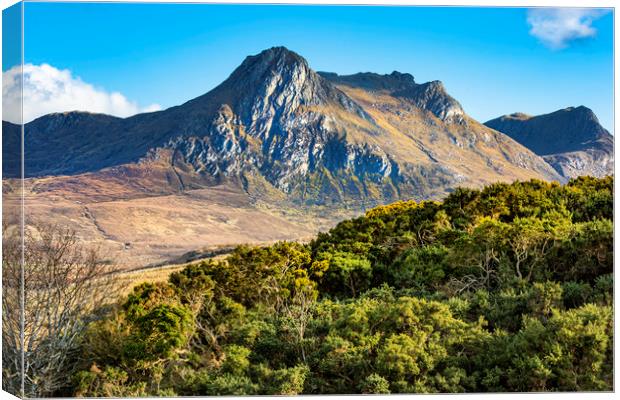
point(136, 231)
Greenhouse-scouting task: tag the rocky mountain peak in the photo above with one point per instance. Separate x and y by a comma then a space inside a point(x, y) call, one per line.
point(274, 83)
point(582, 113)
point(571, 139)
point(276, 70)
point(276, 57)
point(276, 62)
point(568, 129)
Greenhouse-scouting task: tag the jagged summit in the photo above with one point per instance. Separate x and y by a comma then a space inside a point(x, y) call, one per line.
point(276, 62)
point(276, 55)
point(277, 81)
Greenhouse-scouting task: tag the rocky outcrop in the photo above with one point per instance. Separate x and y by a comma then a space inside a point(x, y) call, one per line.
point(571, 140)
point(593, 162)
point(432, 96)
point(429, 96)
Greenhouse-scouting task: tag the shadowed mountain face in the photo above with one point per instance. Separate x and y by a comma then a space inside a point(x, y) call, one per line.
point(571, 140)
point(277, 129)
point(11, 149)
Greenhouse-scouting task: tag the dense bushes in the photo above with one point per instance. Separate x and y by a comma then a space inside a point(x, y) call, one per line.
point(504, 289)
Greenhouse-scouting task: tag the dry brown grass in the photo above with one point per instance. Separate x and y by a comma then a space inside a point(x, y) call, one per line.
point(126, 281)
point(134, 232)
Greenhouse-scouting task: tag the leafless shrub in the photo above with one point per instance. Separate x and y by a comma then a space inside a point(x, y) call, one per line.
point(298, 313)
point(484, 276)
point(63, 283)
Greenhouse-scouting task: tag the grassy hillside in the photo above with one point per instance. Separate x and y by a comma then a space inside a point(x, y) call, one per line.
point(508, 288)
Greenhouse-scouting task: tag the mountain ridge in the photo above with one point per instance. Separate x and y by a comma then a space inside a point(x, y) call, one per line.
point(571, 139)
point(431, 96)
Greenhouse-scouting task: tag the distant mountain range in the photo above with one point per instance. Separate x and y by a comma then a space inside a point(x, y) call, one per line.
point(277, 128)
point(571, 140)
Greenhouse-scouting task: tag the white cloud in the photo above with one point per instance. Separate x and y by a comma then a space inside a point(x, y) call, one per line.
point(557, 27)
point(48, 89)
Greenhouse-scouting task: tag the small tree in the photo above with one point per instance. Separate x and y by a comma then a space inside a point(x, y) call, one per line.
point(298, 311)
point(63, 282)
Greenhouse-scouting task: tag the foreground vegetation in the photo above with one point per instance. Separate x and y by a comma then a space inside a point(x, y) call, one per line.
point(504, 289)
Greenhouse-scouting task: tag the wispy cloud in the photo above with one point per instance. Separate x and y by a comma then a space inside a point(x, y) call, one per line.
point(558, 27)
point(48, 89)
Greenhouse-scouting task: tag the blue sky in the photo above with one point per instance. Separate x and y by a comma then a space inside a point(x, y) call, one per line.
point(488, 58)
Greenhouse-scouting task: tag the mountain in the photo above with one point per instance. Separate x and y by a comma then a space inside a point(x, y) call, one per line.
point(277, 127)
point(571, 140)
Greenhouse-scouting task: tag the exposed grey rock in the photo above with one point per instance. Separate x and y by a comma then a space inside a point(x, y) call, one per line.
point(432, 96)
point(592, 162)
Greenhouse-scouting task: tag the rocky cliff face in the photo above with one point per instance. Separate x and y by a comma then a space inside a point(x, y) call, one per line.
point(371, 81)
point(278, 119)
point(276, 126)
point(430, 96)
point(571, 140)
